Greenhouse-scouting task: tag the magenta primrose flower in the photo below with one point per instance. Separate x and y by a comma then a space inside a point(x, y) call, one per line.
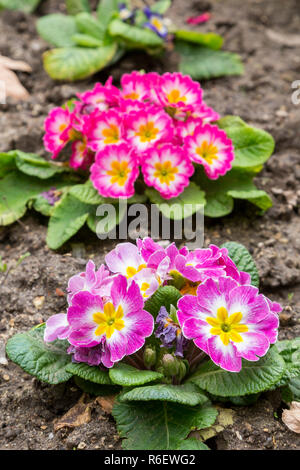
point(146, 113)
point(219, 311)
point(228, 322)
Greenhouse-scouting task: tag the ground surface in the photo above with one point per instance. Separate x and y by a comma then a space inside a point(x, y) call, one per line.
point(262, 97)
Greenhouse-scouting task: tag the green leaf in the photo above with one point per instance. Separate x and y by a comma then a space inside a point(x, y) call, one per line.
point(57, 29)
point(46, 361)
point(16, 189)
point(161, 6)
point(190, 201)
point(77, 6)
point(187, 394)
point(291, 392)
point(85, 40)
point(28, 6)
point(136, 37)
point(91, 373)
point(211, 40)
point(76, 63)
point(192, 444)
point(219, 193)
point(252, 146)
point(204, 63)
point(87, 24)
point(290, 352)
point(154, 425)
point(95, 389)
point(34, 165)
point(86, 193)
point(128, 376)
point(253, 378)
point(164, 296)
point(106, 9)
point(7, 162)
point(67, 218)
point(243, 260)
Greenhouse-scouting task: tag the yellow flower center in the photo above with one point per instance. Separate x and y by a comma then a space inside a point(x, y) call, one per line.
point(109, 320)
point(147, 132)
point(208, 152)
point(189, 288)
point(131, 271)
point(132, 96)
point(119, 172)
point(111, 134)
point(227, 327)
point(165, 172)
point(62, 127)
point(156, 23)
point(144, 287)
point(175, 97)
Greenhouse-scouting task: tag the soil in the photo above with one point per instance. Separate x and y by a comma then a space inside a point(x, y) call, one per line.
point(36, 289)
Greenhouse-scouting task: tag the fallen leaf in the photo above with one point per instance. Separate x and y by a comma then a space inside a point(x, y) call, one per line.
point(224, 419)
point(106, 403)
point(291, 417)
point(290, 40)
point(12, 85)
point(59, 292)
point(79, 414)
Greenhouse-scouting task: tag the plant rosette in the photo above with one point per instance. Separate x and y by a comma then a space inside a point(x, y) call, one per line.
point(153, 139)
point(168, 331)
point(86, 42)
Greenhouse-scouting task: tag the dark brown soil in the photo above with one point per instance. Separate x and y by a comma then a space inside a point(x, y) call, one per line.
point(261, 97)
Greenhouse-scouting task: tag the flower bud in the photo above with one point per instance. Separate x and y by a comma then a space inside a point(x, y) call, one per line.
point(170, 365)
point(149, 356)
point(181, 370)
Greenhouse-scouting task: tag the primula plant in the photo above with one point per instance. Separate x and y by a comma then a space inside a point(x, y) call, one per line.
point(168, 331)
point(86, 43)
point(28, 6)
point(154, 139)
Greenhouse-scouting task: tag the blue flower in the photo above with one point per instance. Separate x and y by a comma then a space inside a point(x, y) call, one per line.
point(156, 22)
point(126, 14)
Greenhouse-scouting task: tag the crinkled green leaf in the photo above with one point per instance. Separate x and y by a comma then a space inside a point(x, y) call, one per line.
point(86, 193)
point(154, 425)
point(291, 392)
point(290, 351)
point(27, 6)
point(34, 165)
point(186, 394)
point(16, 190)
point(95, 389)
point(84, 40)
point(219, 193)
point(128, 376)
point(87, 24)
point(57, 29)
point(7, 162)
point(190, 201)
point(243, 260)
point(67, 218)
point(106, 9)
point(252, 146)
point(192, 444)
point(161, 6)
point(46, 361)
point(204, 63)
point(77, 6)
point(76, 63)
point(134, 36)
point(164, 296)
point(91, 373)
point(253, 378)
point(211, 40)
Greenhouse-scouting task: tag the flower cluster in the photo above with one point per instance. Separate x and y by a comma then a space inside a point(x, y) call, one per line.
point(219, 311)
point(158, 125)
